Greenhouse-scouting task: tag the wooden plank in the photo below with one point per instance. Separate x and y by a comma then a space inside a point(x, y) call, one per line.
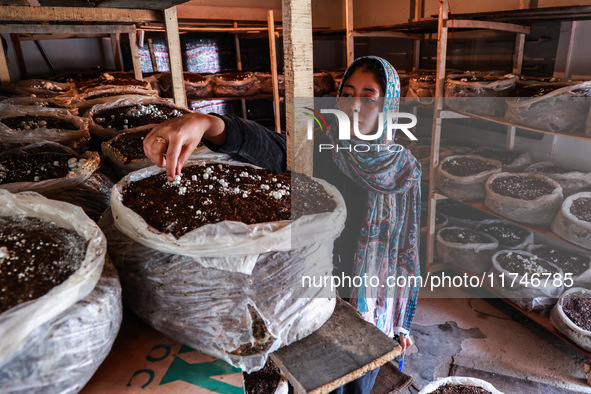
point(65, 29)
point(174, 51)
point(41, 37)
point(474, 24)
point(152, 55)
point(392, 34)
point(349, 27)
point(273, 54)
point(510, 139)
point(4, 72)
point(332, 356)
point(139, 4)
point(16, 43)
point(299, 83)
point(518, 54)
point(192, 11)
point(116, 51)
point(135, 56)
point(76, 14)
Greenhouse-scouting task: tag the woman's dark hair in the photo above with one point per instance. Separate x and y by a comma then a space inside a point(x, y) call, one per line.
point(372, 65)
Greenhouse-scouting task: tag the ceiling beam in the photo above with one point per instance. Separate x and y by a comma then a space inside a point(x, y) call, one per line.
point(77, 14)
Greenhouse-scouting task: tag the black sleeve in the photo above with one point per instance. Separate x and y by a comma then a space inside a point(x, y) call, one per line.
point(253, 143)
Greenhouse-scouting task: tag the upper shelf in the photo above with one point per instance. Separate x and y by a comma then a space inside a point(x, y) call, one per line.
point(128, 4)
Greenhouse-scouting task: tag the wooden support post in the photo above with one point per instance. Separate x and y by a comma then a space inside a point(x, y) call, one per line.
point(518, 54)
point(18, 50)
point(299, 82)
point(135, 56)
point(510, 142)
point(4, 73)
point(349, 26)
point(436, 130)
point(116, 51)
point(174, 51)
point(273, 51)
point(152, 55)
point(239, 66)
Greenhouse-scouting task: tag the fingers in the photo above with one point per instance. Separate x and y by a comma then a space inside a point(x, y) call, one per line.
point(186, 152)
point(172, 158)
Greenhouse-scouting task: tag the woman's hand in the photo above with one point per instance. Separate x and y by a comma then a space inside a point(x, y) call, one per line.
point(171, 143)
point(405, 342)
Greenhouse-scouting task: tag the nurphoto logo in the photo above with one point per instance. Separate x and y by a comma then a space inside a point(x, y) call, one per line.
point(344, 125)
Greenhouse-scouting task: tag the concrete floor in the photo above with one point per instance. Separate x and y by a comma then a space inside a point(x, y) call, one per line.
point(448, 331)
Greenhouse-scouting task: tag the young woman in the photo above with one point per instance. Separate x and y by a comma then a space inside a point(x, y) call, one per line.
point(381, 188)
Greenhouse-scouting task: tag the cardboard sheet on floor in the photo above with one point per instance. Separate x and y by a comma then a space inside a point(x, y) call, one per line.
point(143, 361)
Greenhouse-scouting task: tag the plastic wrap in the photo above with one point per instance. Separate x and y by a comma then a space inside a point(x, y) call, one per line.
point(85, 101)
point(41, 88)
point(323, 83)
point(471, 257)
point(529, 238)
point(193, 88)
point(209, 296)
point(266, 83)
point(50, 186)
point(17, 324)
point(247, 86)
point(566, 326)
point(537, 211)
point(571, 228)
point(538, 299)
point(562, 110)
point(523, 160)
point(465, 188)
point(461, 89)
point(77, 139)
point(459, 380)
point(572, 181)
point(581, 280)
point(421, 89)
point(76, 341)
point(126, 101)
point(56, 102)
point(93, 195)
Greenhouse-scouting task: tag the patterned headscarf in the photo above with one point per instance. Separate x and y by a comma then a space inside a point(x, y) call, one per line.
point(388, 242)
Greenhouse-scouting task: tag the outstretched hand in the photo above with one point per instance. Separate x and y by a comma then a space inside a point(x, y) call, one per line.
point(171, 143)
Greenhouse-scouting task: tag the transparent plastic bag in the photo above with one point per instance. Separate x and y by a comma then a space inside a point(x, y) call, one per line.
point(223, 86)
point(518, 164)
point(17, 324)
point(528, 239)
point(421, 89)
point(460, 215)
point(196, 85)
point(562, 110)
point(572, 181)
point(470, 257)
point(459, 380)
point(50, 186)
point(465, 188)
point(538, 296)
point(126, 101)
point(236, 294)
point(461, 89)
point(77, 341)
point(56, 102)
point(266, 83)
point(41, 88)
point(537, 211)
point(565, 325)
point(77, 139)
point(85, 101)
point(583, 279)
point(571, 228)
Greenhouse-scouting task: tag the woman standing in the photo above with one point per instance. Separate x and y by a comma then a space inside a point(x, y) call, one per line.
point(381, 188)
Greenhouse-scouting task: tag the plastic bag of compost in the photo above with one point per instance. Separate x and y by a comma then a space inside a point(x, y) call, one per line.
point(459, 381)
point(85, 101)
point(137, 107)
point(534, 292)
point(469, 187)
point(564, 324)
point(21, 125)
point(540, 210)
point(512, 161)
point(228, 289)
point(77, 341)
point(20, 325)
point(465, 92)
point(474, 257)
point(576, 264)
point(571, 181)
point(562, 110)
point(572, 225)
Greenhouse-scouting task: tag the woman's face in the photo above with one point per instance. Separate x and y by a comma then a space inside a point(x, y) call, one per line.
point(363, 94)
